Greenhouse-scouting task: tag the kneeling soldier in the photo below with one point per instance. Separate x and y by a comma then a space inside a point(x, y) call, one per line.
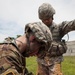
point(37, 37)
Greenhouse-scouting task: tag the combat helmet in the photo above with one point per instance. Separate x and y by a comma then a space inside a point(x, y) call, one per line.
point(41, 32)
point(45, 11)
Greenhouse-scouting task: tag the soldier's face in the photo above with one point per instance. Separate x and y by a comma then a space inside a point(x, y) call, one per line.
point(48, 21)
point(34, 45)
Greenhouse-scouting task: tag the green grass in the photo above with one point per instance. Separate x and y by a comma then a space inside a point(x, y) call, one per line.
point(31, 64)
point(68, 66)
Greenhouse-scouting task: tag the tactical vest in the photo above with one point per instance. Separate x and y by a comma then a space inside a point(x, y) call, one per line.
point(55, 30)
point(58, 45)
point(11, 61)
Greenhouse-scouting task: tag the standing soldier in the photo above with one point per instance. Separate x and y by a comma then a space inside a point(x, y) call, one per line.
point(12, 54)
point(50, 64)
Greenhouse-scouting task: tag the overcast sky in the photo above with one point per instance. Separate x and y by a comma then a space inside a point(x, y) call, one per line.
point(15, 14)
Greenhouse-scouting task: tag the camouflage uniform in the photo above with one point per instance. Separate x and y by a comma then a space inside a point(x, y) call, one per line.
point(12, 62)
point(50, 64)
point(10, 59)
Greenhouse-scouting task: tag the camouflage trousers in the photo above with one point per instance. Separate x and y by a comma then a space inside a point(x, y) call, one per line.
point(52, 69)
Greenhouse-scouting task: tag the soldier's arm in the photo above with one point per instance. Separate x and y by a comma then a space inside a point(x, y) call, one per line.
point(67, 26)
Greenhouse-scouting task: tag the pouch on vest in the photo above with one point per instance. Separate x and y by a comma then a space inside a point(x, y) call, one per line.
point(58, 49)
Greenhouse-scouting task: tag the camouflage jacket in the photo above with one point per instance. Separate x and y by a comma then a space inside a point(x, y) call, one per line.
point(58, 31)
point(11, 61)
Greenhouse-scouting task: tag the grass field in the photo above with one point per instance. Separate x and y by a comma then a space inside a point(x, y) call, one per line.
point(68, 66)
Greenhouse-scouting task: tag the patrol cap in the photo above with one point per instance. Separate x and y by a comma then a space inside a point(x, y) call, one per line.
point(45, 11)
point(41, 32)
